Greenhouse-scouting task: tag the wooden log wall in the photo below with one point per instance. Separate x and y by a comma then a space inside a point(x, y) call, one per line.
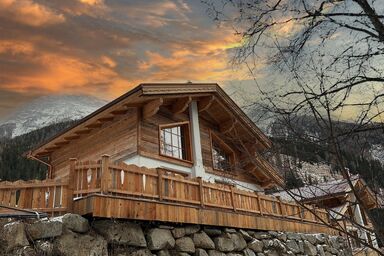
point(118, 138)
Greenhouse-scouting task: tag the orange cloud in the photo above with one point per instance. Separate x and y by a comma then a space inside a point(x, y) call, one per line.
point(29, 13)
point(92, 2)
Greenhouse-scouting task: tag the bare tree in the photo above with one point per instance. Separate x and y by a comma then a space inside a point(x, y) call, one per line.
point(328, 58)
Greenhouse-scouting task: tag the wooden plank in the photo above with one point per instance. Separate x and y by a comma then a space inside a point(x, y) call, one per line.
point(182, 213)
point(105, 174)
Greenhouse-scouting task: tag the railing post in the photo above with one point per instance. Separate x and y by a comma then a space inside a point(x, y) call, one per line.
point(106, 178)
point(233, 198)
point(201, 191)
point(259, 204)
point(71, 183)
point(160, 183)
point(281, 206)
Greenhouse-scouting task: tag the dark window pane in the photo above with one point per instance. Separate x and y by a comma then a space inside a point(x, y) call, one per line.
point(221, 160)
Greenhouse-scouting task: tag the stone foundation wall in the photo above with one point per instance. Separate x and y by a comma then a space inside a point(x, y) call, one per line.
point(72, 235)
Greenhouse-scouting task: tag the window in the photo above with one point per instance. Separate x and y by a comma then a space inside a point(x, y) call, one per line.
point(174, 141)
point(222, 155)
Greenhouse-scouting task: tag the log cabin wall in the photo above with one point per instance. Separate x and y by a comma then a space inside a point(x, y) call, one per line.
point(149, 141)
point(117, 138)
point(240, 176)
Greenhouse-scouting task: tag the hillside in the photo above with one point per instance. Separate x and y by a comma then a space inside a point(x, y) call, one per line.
point(13, 163)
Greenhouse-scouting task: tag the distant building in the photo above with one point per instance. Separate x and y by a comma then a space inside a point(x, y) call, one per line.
point(337, 197)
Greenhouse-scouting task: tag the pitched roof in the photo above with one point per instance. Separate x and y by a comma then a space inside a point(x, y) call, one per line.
point(145, 92)
point(321, 190)
point(333, 189)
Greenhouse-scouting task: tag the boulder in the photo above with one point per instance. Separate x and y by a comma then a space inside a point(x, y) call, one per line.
point(215, 253)
point(212, 231)
point(201, 252)
point(282, 237)
point(273, 233)
point(256, 245)
point(14, 235)
point(293, 236)
point(309, 249)
point(163, 253)
point(272, 253)
point(293, 246)
point(202, 240)
point(245, 235)
point(224, 244)
point(141, 252)
point(160, 239)
point(122, 233)
point(190, 229)
point(185, 244)
point(178, 232)
point(230, 230)
point(24, 251)
point(320, 250)
point(320, 238)
point(248, 252)
point(309, 238)
point(261, 235)
point(44, 229)
point(71, 244)
point(44, 248)
point(238, 241)
point(75, 223)
point(234, 254)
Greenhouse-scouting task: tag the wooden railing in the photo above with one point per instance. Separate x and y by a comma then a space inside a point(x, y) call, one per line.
point(130, 180)
point(39, 195)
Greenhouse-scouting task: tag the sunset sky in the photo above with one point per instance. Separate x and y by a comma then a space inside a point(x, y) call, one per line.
point(104, 48)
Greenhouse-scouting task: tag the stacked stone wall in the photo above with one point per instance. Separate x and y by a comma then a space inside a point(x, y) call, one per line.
point(72, 235)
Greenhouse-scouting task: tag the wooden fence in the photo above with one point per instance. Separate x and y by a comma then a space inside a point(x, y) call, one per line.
point(102, 177)
point(157, 184)
point(45, 196)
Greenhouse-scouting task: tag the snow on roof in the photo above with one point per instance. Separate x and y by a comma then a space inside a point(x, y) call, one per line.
point(318, 190)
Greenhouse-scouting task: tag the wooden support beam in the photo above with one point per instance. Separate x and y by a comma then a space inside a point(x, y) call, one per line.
point(181, 105)
point(152, 107)
point(228, 125)
point(106, 119)
point(95, 125)
point(119, 112)
point(52, 148)
point(61, 143)
point(205, 103)
point(72, 137)
point(71, 183)
point(83, 131)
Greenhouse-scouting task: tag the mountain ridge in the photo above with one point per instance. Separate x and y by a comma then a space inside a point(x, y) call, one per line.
point(47, 110)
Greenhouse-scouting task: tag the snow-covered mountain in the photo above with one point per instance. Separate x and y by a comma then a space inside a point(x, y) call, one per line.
point(47, 110)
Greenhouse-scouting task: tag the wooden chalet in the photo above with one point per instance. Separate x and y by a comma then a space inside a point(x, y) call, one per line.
point(339, 200)
point(181, 153)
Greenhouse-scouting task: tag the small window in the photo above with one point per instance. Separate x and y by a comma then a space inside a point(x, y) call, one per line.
point(222, 155)
point(174, 141)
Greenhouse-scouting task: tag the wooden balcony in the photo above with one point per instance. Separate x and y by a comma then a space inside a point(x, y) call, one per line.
point(101, 189)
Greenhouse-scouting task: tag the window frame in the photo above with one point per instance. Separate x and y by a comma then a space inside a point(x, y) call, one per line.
point(188, 146)
point(228, 150)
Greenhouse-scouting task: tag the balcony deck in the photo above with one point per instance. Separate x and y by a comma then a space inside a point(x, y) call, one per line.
point(101, 189)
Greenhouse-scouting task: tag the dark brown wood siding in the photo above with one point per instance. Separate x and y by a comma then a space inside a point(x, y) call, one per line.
point(117, 138)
